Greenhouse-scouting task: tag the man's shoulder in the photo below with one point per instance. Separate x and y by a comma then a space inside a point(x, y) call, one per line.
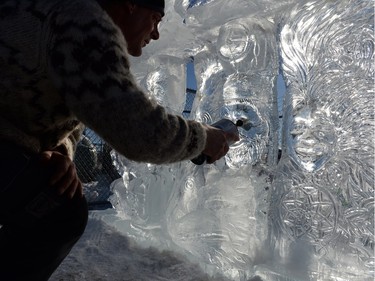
point(81, 14)
point(43, 7)
point(78, 10)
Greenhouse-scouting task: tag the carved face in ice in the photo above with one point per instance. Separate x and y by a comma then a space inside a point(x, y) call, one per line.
point(311, 137)
point(243, 103)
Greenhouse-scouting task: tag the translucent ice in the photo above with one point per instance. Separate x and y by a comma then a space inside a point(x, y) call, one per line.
point(305, 212)
point(325, 186)
point(237, 74)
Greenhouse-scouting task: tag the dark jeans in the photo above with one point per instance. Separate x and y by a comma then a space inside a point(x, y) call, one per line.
point(38, 228)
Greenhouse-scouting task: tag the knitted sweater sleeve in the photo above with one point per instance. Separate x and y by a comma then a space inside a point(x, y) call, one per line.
point(69, 144)
point(88, 63)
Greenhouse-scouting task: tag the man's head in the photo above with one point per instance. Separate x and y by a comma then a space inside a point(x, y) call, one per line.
point(137, 19)
point(157, 5)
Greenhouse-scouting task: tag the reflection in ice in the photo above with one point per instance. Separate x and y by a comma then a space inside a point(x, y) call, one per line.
point(166, 82)
point(307, 215)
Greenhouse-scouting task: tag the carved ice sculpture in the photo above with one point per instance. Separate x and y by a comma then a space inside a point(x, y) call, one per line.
point(253, 216)
point(324, 191)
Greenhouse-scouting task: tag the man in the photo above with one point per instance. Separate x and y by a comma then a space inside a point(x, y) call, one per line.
point(64, 64)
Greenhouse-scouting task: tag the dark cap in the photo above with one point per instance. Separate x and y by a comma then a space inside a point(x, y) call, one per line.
point(157, 5)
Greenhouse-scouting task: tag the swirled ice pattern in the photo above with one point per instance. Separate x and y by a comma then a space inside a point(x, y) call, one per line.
point(298, 205)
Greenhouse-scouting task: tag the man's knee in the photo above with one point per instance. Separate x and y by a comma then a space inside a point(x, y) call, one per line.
point(68, 222)
point(79, 217)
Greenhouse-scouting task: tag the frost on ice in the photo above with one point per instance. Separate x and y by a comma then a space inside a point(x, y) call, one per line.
point(294, 198)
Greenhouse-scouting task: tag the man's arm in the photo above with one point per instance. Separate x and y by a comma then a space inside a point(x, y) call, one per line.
point(89, 65)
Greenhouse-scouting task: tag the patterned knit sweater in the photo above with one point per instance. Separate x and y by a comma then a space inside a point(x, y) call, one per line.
point(64, 64)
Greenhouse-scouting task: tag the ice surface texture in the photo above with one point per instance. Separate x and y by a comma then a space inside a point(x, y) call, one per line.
point(324, 188)
point(307, 215)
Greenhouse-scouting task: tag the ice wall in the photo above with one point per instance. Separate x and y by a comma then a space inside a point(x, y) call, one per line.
point(306, 213)
point(324, 187)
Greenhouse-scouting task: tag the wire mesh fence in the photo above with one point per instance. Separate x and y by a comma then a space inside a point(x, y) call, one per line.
point(93, 159)
point(95, 169)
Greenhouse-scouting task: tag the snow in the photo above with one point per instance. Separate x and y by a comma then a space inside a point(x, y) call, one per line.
point(103, 253)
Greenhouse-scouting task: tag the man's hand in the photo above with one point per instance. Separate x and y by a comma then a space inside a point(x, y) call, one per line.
point(64, 178)
point(217, 143)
